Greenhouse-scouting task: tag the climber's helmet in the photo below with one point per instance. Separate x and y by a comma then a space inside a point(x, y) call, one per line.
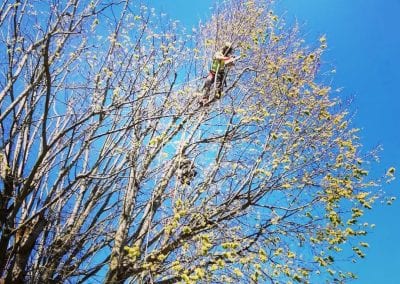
point(227, 48)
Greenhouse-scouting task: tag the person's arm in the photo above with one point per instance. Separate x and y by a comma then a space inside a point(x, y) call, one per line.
point(230, 60)
point(218, 55)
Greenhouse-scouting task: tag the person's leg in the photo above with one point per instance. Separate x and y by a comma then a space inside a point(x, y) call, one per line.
point(219, 85)
point(208, 83)
point(207, 88)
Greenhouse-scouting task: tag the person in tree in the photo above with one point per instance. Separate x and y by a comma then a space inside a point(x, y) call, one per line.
point(221, 59)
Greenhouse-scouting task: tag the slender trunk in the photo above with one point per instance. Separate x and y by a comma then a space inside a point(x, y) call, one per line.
point(115, 271)
point(26, 237)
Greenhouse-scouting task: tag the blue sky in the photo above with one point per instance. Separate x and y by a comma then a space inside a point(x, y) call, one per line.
point(364, 47)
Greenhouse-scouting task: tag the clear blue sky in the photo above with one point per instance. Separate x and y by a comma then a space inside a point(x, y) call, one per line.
point(364, 47)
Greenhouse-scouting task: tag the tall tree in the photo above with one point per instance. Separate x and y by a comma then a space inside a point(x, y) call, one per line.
point(99, 110)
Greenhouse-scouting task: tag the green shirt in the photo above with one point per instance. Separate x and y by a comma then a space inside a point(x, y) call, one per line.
point(218, 65)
